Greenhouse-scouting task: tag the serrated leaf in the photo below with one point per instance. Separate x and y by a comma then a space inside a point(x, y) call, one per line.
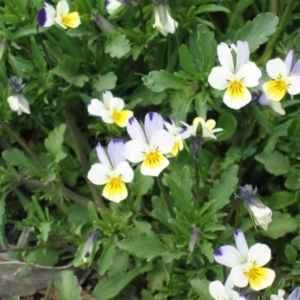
point(118, 45)
point(54, 143)
point(105, 82)
point(201, 287)
point(224, 187)
point(275, 163)
point(67, 286)
point(158, 81)
point(256, 32)
point(143, 246)
point(15, 157)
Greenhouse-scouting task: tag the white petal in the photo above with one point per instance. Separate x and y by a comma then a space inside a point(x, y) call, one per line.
point(116, 151)
point(289, 60)
point(13, 102)
point(276, 67)
point(135, 151)
point(99, 174)
point(241, 244)
point(242, 54)
point(294, 87)
point(106, 117)
point(102, 156)
point(125, 170)
point(228, 256)
point(276, 106)
point(116, 104)
point(156, 170)
point(112, 6)
point(107, 97)
point(62, 8)
point(23, 104)
point(153, 123)
point(46, 16)
point(225, 57)
point(96, 107)
point(217, 290)
point(220, 77)
point(250, 74)
point(163, 141)
point(238, 276)
point(237, 103)
point(135, 130)
point(170, 125)
point(259, 255)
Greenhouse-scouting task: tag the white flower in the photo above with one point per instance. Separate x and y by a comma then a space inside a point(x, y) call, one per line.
point(279, 296)
point(246, 263)
point(112, 5)
point(48, 16)
point(149, 145)
point(208, 128)
point(110, 110)
point(178, 133)
point(88, 246)
point(163, 21)
point(262, 214)
point(220, 292)
point(235, 77)
point(19, 104)
point(285, 78)
point(112, 171)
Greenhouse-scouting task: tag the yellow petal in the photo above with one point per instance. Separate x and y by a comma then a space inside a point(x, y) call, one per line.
point(115, 190)
point(275, 89)
point(71, 20)
point(198, 120)
point(260, 278)
point(175, 149)
point(236, 90)
point(210, 124)
point(121, 117)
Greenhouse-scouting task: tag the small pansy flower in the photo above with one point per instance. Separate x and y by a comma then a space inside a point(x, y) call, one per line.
point(163, 21)
point(48, 16)
point(295, 295)
point(219, 291)
point(89, 244)
point(149, 145)
point(112, 5)
point(110, 110)
point(113, 171)
point(246, 263)
point(261, 214)
point(178, 133)
point(285, 78)
point(235, 77)
point(279, 296)
point(17, 102)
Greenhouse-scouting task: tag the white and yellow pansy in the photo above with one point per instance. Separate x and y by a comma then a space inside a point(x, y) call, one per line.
point(235, 76)
point(110, 110)
point(246, 263)
point(224, 292)
point(113, 171)
point(48, 16)
point(149, 144)
point(285, 78)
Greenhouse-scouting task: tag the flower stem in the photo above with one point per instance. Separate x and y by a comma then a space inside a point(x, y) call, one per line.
point(165, 196)
point(142, 17)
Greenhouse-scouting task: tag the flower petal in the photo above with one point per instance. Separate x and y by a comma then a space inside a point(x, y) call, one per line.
point(116, 104)
point(220, 77)
point(237, 97)
point(242, 54)
point(135, 130)
point(259, 255)
point(275, 89)
point(46, 16)
point(99, 174)
point(121, 117)
point(276, 68)
point(225, 57)
point(115, 150)
point(294, 86)
point(217, 290)
point(241, 244)
point(103, 157)
point(262, 279)
point(153, 123)
point(228, 256)
point(106, 117)
point(289, 60)
point(153, 164)
point(125, 171)
point(107, 98)
point(112, 5)
point(296, 68)
point(250, 74)
point(62, 8)
point(115, 190)
point(96, 107)
point(13, 102)
point(238, 276)
point(295, 295)
point(135, 151)
point(162, 141)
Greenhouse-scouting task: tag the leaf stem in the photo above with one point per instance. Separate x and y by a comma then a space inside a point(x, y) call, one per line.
point(142, 17)
point(165, 196)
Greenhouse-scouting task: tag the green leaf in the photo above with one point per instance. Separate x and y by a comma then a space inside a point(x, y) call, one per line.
point(201, 287)
point(38, 56)
point(22, 68)
point(15, 157)
point(293, 182)
point(291, 253)
point(106, 259)
point(207, 50)
point(143, 246)
point(237, 11)
point(54, 143)
point(3, 239)
point(117, 45)
point(158, 81)
point(45, 228)
point(67, 286)
point(187, 62)
point(280, 200)
point(264, 24)
point(105, 82)
point(281, 225)
point(275, 163)
point(228, 122)
point(9, 18)
point(212, 8)
point(27, 31)
point(3, 48)
point(110, 287)
point(141, 184)
point(224, 187)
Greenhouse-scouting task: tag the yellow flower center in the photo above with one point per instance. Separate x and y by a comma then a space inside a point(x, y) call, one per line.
point(121, 117)
point(276, 89)
point(71, 20)
point(153, 159)
point(236, 89)
point(115, 188)
point(256, 276)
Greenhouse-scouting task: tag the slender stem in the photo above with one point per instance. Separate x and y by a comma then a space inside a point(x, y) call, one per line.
point(142, 17)
point(21, 143)
point(165, 196)
point(75, 132)
point(44, 48)
point(273, 40)
point(197, 160)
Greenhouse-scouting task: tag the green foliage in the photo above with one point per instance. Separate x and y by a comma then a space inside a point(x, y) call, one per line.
point(67, 286)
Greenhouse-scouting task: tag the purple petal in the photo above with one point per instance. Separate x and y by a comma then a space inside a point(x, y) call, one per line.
point(153, 123)
point(116, 152)
point(218, 252)
point(102, 156)
point(289, 60)
point(295, 295)
point(135, 130)
point(296, 69)
point(46, 16)
point(169, 120)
